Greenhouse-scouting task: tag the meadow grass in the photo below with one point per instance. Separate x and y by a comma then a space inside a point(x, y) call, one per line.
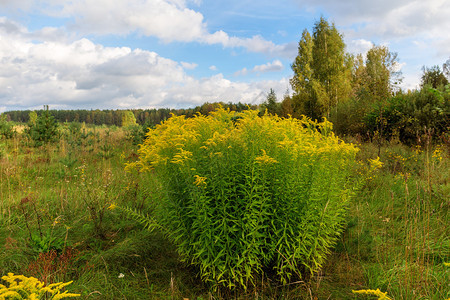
point(396, 235)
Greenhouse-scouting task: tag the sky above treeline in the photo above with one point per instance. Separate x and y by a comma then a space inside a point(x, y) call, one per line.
point(122, 54)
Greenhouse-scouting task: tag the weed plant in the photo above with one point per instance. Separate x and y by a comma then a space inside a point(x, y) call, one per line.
point(246, 195)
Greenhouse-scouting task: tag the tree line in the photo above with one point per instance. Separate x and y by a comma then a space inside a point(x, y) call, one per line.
point(149, 117)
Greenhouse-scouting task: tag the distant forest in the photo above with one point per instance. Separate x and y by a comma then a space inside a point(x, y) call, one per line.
point(148, 117)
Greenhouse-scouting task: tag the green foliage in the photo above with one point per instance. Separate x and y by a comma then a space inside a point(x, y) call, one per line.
point(244, 194)
point(128, 119)
point(321, 71)
point(6, 128)
point(433, 77)
point(380, 74)
point(135, 134)
point(45, 242)
point(271, 104)
point(32, 117)
point(412, 116)
point(45, 130)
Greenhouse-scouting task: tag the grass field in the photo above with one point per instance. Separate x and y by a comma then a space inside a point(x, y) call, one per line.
point(56, 224)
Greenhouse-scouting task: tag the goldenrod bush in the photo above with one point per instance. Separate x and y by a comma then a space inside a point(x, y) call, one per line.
point(244, 194)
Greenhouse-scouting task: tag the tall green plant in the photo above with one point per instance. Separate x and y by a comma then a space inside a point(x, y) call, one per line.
point(244, 194)
point(44, 130)
point(6, 128)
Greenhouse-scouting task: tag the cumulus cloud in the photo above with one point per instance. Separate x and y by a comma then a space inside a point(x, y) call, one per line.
point(253, 44)
point(359, 46)
point(168, 20)
point(218, 88)
point(274, 66)
point(83, 74)
point(189, 66)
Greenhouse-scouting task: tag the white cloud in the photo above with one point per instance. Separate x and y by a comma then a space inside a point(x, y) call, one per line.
point(188, 66)
point(242, 72)
point(253, 44)
point(16, 4)
point(168, 20)
point(218, 88)
point(83, 74)
point(359, 46)
point(213, 68)
point(274, 66)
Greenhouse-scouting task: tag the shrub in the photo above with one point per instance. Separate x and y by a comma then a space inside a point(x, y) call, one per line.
point(412, 115)
point(245, 194)
point(44, 130)
point(128, 119)
point(6, 128)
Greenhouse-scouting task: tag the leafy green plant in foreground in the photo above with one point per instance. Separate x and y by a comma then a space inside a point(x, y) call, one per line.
point(244, 195)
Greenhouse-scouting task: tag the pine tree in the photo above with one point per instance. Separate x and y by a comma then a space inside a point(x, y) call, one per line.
point(45, 129)
point(271, 103)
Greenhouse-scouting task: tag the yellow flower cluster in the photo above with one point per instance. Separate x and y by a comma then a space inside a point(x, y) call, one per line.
point(377, 292)
point(401, 161)
point(22, 287)
point(265, 159)
point(375, 163)
point(437, 153)
point(199, 181)
point(113, 206)
point(180, 141)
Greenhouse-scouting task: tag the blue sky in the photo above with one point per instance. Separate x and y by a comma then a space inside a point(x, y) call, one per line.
point(120, 54)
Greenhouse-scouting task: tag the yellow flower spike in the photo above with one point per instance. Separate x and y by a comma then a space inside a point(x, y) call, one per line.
point(58, 285)
point(265, 159)
point(377, 292)
point(65, 295)
point(199, 181)
point(375, 163)
point(12, 294)
point(33, 297)
point(112, 206)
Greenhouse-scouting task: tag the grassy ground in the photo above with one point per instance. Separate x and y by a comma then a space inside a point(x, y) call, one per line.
point(55, 225)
